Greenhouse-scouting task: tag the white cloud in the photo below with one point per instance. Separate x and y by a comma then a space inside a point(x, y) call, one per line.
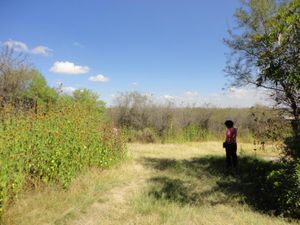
point(234, 97)
point(134, 83)
point(191, 93)
point(41, 50)
point(169, 97)
point(240, 97)
point(99, 78)
point(239, 93)
point(68, 68)
point(19, 46)
point(188, 98)
point(68, 90)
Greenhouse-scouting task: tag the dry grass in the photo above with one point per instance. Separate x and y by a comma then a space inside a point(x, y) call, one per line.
point(122, 195)
point(195, 149)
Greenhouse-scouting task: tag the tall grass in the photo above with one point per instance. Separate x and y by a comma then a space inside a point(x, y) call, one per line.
point(53, 145)
point(190, 133)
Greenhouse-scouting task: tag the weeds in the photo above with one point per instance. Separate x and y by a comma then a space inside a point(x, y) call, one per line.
point(53, 146)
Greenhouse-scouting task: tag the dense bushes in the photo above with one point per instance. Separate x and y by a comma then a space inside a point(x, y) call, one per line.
point(47, 137)
point(275, 185)
point(284, 185)
point(53, 145)
point(135, 111)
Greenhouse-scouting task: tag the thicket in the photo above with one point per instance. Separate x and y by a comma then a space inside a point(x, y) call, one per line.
point(143, 120)
point(47, 137)
point(53, 145)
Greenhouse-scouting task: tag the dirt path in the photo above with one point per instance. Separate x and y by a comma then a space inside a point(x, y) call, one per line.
point(126, 181)
point(114, 201)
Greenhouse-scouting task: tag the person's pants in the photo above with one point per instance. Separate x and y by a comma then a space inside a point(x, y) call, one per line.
point(231, 157)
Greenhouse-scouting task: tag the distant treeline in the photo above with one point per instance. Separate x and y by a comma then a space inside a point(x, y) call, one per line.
point(143, 120)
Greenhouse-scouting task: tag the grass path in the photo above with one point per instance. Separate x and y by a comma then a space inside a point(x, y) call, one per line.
point(158, 184)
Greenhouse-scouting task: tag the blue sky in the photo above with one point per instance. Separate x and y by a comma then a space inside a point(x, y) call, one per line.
point(172, 49)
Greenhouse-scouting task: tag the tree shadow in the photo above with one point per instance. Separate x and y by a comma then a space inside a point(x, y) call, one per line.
point(248, 183)
point(175, 190)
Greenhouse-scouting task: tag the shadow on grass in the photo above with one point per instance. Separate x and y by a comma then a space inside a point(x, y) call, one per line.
point(247, 183)
point(173, 190)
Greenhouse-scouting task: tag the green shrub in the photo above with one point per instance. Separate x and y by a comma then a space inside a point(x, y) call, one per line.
point(54, 146)
point(271, 186)
point(194, 132)
point(283, 189)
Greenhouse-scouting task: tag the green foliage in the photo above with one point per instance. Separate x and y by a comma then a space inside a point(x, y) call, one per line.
point(53, 146)
point(268, 125)
point(19, 80)
point(292, 147)
point(89, 99)
point(284, 184)
point(193, 132)
point(38, 89)
point(280, 61)
point(265, 52)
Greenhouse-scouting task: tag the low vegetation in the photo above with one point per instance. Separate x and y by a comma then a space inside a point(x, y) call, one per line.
point(163, 184)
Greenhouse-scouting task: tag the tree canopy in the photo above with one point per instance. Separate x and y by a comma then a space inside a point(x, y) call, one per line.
point(19, 79)
point(89, 99)
point(265, 52)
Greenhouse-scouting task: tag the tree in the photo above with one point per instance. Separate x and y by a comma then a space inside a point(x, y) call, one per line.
point(14, 72)
point(38, 89)
point(133, 109)
point(281, 62)
point(19, 79)
point(89, 99)
point(266, 51)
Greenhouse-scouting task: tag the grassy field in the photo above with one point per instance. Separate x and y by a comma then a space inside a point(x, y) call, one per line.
point(157, 184)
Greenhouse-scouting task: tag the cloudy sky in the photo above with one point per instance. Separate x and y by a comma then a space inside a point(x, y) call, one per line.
point(171, 49)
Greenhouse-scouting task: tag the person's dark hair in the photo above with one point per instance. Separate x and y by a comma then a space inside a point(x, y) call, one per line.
point(229, 123)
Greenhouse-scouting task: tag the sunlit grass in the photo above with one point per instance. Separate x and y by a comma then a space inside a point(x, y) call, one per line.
point(157, 184)
point(202, 148)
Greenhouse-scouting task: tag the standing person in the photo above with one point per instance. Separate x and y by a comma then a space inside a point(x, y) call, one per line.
point(230, 144)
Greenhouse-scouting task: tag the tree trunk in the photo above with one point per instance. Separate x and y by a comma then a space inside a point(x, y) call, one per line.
point(295, 121)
